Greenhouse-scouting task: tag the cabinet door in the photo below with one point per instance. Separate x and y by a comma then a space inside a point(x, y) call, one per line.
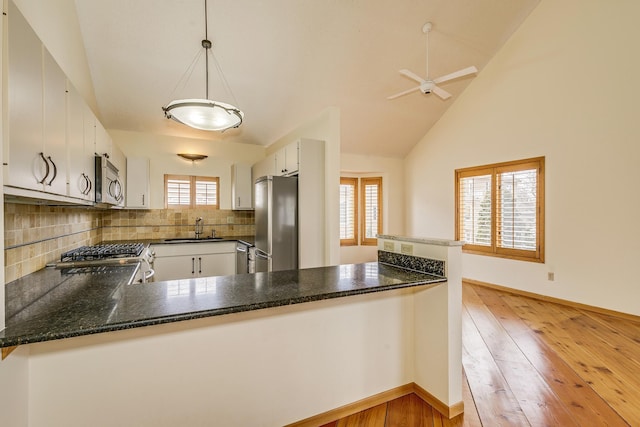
point(80, 178)
point(241, 187)
point(25, 164)
point(175, 267)
point(287, 159)
point(103, 140)
point(137, 183)
point(215, 265)
point(55, 141)
point(291, 158)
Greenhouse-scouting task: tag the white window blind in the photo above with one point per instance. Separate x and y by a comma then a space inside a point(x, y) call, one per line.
point(370, 211)
point(516, 217)
point(206, 192)
point(475, 210)
point(347, 211)
point(178, 192)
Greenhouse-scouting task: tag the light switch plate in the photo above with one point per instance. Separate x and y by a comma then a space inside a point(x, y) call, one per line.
point(406, 249)
point(389, 246)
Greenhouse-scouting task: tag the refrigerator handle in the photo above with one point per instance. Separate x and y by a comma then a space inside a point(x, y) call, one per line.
point(261, 254)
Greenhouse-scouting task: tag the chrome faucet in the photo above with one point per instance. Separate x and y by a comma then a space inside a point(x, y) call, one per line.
point(199, 227)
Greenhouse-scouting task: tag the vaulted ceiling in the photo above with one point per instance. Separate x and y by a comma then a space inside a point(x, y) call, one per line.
point(287, 60)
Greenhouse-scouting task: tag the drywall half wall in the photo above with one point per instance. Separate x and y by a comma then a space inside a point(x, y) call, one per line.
point(392, 172)
point(565, 87)
point(162, 151)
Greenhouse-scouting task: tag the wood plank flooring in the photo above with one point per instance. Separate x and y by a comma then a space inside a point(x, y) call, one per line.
point(532, 363)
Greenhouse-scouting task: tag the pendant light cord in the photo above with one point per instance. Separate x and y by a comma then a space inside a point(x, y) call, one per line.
point(207, 45)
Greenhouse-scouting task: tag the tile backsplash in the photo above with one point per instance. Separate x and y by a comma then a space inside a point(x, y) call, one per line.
point(36, 235)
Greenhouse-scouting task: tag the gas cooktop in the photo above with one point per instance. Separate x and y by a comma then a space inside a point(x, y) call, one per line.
point(106, 251)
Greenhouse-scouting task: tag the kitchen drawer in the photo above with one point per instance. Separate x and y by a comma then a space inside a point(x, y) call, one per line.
point(177, 249)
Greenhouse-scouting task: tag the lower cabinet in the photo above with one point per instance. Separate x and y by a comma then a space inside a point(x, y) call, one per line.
point(189, 260)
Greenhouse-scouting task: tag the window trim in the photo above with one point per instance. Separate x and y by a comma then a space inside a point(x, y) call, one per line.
point(364, 181)
point(192, 191)
point(493, 170)
point(354, 183)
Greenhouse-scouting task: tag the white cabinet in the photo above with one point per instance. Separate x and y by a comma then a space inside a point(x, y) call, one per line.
point(49, 152)
point(103, 141)
point(81, 150)
point(25, 164)
point(190, 260)
point(287, 160)
point(264, 167)
point(138, 188)
point(241, 187)
point(54, 121)
point(311, 204)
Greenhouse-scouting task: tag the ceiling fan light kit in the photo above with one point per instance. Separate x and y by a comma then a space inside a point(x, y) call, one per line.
point(205, 114)
point(428, 85)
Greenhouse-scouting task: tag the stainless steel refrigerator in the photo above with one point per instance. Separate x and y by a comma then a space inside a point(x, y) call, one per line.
point(276, 217)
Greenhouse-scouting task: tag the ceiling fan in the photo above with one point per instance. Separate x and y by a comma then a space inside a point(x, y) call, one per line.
point(428, 85)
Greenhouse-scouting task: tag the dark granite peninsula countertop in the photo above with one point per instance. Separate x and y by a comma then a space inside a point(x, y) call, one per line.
point(67, 305)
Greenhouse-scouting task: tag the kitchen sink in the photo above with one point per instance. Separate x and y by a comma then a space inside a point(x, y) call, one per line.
point(190, 240)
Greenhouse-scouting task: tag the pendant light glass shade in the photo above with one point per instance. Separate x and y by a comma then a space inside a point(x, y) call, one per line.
point(204, 114)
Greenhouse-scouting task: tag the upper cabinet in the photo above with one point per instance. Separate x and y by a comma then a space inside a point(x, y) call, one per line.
point(52, 132)
point(287, 160)
point(241, 187)
point(80, 146)
point(25, 161)
point(138, 188)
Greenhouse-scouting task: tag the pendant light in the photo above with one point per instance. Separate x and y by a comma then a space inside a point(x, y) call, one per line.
point(205, 114)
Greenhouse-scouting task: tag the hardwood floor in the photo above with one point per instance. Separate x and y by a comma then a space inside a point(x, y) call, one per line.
point(532, 363)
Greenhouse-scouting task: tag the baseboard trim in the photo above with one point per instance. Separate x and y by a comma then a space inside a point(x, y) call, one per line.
point(377, 399)
point(600, 310)
point(448, 411)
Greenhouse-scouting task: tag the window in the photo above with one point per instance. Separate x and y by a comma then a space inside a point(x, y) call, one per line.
point(183, 191)
point(500, 209)
point(348, 211)
point(360, 226)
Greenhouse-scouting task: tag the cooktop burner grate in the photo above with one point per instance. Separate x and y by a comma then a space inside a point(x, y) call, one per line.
point(106, 251)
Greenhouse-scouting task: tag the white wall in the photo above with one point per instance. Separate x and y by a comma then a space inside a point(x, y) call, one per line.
point(393, 192)
point(565, 86)
point(325, 127)
point(263, 368)
point(162, 151)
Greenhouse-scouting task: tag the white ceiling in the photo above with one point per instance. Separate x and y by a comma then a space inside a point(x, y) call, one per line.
point(287, 60)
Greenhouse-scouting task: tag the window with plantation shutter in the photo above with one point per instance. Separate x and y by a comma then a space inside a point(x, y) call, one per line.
point(348, 211)
point(371, 209)
point(360, 210)
point(500, 209)
point(183, 191)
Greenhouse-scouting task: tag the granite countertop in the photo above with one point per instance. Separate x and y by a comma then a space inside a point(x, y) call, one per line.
point(100, 299)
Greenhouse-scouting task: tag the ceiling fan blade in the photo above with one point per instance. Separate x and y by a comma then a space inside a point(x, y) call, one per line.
point(403, 93)
point(412, 75)
point(441, 92)
point(456, 74)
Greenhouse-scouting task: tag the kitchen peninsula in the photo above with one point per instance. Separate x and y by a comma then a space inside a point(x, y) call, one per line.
point(263, 349)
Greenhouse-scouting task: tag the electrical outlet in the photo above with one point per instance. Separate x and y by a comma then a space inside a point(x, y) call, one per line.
point(229, 220)
point(406, 249)
point(551, 276)
point(389, 246)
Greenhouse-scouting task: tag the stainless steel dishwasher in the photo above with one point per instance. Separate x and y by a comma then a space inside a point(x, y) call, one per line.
point(242, 258)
